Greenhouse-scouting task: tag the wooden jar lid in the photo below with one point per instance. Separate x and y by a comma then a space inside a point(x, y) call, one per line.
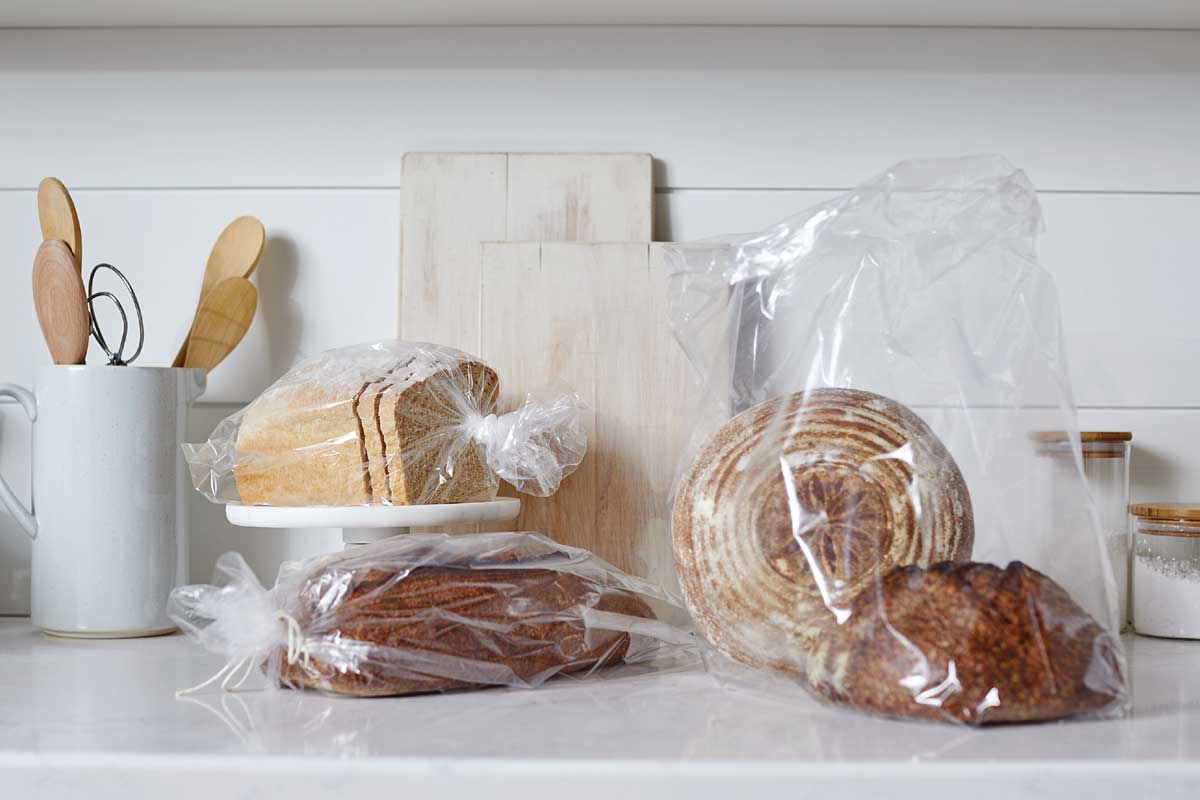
point(1185, 515)
point(1167, 512)
point(1086, 437)
point(1050, 443)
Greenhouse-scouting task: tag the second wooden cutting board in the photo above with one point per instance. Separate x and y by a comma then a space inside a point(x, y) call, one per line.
point(595, 317)
point(452, 202)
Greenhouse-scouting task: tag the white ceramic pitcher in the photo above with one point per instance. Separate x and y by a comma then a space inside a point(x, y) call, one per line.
point(108, 520)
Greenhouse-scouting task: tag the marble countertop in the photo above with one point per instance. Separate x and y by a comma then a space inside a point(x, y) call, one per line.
point(100, 719)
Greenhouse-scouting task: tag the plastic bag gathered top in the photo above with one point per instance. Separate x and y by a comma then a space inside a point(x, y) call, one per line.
point(387, 423)
point(862, 506)
point(431, 612)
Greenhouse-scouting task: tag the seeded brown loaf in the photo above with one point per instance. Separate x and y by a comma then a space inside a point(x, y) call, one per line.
point(798, 505)
point(440, 628)
point(971, 643)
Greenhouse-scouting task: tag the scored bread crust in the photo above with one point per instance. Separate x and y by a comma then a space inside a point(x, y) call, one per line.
point(800, 503)
point(373, 431)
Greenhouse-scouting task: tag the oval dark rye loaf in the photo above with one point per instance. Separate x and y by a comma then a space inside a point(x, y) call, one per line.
point(375, 632)
point(971, 643)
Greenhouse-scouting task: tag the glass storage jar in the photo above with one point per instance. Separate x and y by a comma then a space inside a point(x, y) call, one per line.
point(1166, 569)
point(1106, 469)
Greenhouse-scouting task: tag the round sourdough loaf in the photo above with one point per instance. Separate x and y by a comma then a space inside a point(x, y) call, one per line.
point(969, 643)
point(801, 503)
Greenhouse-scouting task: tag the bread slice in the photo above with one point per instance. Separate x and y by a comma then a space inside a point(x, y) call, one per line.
point(427, 456)
point(367, 410)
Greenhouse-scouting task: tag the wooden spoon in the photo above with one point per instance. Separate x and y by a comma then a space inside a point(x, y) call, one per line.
point(222, 321)
point(236, 254)
point(61, 302)
point(56, 213)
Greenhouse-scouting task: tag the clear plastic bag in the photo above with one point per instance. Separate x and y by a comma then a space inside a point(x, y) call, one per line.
point(860, 504)
point(387, 423)
point(431, 612)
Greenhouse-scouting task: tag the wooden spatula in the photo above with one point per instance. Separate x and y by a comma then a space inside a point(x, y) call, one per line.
point(56, 214)
point(222, 321)
point(236, 254)
point(61, 302)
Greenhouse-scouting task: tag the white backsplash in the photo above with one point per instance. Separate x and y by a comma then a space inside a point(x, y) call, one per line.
point(165, 136)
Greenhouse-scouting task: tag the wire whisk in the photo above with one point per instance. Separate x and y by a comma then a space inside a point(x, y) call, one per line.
point(116, 358)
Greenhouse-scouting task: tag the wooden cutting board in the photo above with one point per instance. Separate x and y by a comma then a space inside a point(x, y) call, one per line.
point(595, 317)
point(580, 305)
point(454, 201)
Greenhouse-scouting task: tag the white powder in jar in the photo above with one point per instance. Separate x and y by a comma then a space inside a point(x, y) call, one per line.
point(1166, 594)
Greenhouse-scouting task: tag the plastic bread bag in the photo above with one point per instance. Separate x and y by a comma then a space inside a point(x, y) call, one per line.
point(863, 504)
point(387, 423)
point(431, 612)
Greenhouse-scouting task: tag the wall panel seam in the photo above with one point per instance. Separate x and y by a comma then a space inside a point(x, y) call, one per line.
point(658, 190)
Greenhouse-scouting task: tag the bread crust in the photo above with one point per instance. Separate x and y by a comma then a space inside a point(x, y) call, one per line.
point(442, 628)
point(972, 643)
point(797, 505)
point(276, 463)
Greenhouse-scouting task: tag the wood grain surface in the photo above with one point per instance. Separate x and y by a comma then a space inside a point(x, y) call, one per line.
point(580, 198)
point(450, 203)
point(454, 201)
point(236, 254)
point(593, 316)
point(221, 321)
point(61, 302)
point(57, 216)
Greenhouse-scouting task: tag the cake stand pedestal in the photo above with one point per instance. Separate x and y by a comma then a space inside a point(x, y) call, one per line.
point(366, 524)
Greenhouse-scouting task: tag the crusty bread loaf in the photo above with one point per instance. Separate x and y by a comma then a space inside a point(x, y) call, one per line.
point(440, 628)
point(377, 429)
point(824, 535)
point(972, 643)
point(799, 504)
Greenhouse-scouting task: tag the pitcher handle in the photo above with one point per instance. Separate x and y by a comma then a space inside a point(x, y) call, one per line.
point(8, 498)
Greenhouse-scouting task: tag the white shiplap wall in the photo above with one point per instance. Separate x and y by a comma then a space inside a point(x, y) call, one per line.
point(165, 135)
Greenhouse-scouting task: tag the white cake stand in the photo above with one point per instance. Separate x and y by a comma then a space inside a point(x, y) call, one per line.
point(366, 524)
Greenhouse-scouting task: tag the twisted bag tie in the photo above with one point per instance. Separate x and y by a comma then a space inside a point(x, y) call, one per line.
point(297, 651)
